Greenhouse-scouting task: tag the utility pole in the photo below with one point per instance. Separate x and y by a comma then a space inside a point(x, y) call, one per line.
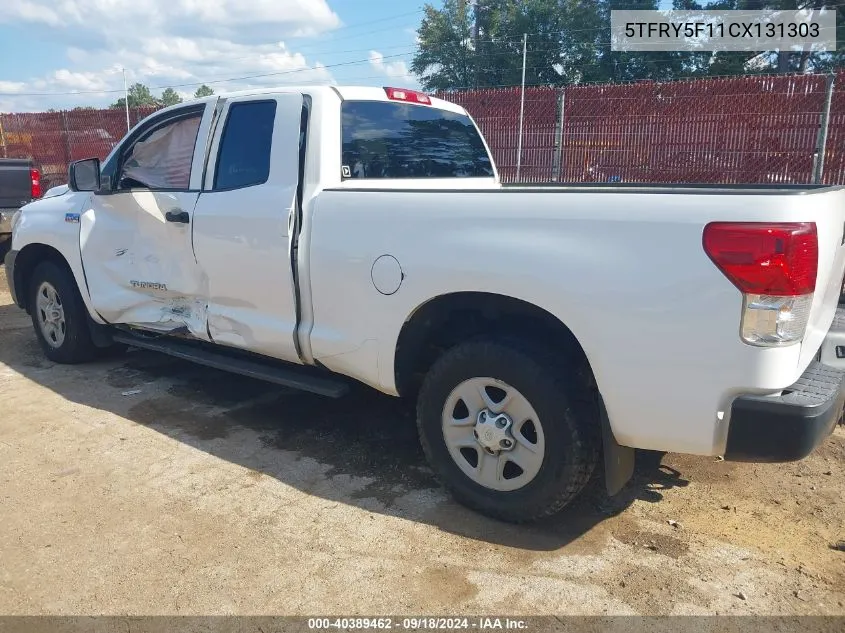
point(521, 107)
point(126, 99)
point(824, 124)
point(476, 11)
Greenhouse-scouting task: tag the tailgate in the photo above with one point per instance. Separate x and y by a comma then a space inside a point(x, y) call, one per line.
point(15, 185)
point(827, 209)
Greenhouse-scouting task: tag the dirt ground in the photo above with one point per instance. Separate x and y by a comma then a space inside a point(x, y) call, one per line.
point(144, 485)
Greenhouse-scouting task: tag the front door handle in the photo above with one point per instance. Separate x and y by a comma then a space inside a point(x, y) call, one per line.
point(177, 215)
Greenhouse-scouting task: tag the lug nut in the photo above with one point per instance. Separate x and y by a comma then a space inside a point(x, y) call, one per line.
point(501, 423)
point(505, 443)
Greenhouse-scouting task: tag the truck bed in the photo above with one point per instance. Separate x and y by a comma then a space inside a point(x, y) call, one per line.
point(692, 188)
point(610, 187)
point(626, 273)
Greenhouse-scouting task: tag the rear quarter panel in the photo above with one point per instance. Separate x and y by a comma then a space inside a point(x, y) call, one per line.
point(827, 209)
point(626, 272)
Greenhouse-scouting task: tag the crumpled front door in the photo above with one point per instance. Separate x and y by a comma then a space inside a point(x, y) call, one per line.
point(139, 266)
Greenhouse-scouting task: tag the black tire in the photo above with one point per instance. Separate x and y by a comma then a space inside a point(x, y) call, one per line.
point(77, 346)
point(563, 401)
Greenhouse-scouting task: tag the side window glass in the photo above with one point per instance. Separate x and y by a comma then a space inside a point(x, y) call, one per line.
point(163, 158)
point(244, 156)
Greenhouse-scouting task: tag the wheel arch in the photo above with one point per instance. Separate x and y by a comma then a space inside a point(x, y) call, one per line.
point(29, 257)
point(448, 319)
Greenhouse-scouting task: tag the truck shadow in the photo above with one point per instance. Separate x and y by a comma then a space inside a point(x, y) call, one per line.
point(366, 437)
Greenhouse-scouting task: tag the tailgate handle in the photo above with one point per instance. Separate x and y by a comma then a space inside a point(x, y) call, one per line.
point(178, 216)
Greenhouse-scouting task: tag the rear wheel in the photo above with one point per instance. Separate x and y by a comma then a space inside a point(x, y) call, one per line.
point(510, 431)
point(58, 315)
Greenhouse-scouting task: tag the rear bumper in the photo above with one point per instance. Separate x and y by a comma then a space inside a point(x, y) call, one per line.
point(790, 426)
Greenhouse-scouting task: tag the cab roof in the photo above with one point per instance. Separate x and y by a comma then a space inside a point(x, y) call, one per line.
point(346, 93)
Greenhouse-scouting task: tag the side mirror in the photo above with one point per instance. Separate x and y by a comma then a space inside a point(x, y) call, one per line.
point(84, 175)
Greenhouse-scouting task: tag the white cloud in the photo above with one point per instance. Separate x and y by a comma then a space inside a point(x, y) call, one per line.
point(394, 69)
point(26, 11)
point(165, 43)
point(78, 81)
point(174, 16)
point(12, 86)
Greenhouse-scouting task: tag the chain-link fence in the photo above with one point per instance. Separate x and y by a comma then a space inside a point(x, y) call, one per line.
point(742, 130)
point(755, 129)
point(54, 139)
point(496, 111)
point(834, 155)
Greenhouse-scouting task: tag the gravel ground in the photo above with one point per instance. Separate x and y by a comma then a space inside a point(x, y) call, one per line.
point(144, 485)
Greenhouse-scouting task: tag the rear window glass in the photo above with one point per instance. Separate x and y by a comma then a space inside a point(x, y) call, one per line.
point(398, 140)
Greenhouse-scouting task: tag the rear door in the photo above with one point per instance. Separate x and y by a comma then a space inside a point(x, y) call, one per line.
point(135, 237)
point(244, 221)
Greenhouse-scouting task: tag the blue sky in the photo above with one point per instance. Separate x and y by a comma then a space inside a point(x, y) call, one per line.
point(49, 48)
point(81, 45)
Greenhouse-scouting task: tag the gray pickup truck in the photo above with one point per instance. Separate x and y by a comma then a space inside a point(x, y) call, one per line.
point(20, 184)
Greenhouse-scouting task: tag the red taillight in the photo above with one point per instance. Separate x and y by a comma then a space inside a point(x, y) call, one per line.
point(411, 96)
point(35, 184)
point(776, 259)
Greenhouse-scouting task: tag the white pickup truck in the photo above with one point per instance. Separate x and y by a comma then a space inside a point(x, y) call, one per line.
point(308, 236)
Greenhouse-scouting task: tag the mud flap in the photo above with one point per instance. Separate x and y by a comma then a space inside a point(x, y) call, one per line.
point(618, 460)
point(101, 335)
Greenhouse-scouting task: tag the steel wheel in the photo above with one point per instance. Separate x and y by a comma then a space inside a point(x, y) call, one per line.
point(493, 434)
point(51, 315)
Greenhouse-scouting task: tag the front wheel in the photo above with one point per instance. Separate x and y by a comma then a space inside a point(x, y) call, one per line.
point(508, 430)
point(58, 315)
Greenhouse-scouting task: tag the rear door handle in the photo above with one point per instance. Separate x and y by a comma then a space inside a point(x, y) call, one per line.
point(178, 216)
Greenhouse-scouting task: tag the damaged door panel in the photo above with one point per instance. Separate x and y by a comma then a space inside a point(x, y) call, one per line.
point(243, 224)
point(137, 232)
point(146, 273)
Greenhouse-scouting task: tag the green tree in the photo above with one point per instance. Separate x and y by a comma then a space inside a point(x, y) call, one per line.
point(499, 38)
point(736, 63)
point(203, 91)
point(599, 63)
point(139, 96)
point(170, 97)
point(445, 58)
point(568, 41)
point(478, 43)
